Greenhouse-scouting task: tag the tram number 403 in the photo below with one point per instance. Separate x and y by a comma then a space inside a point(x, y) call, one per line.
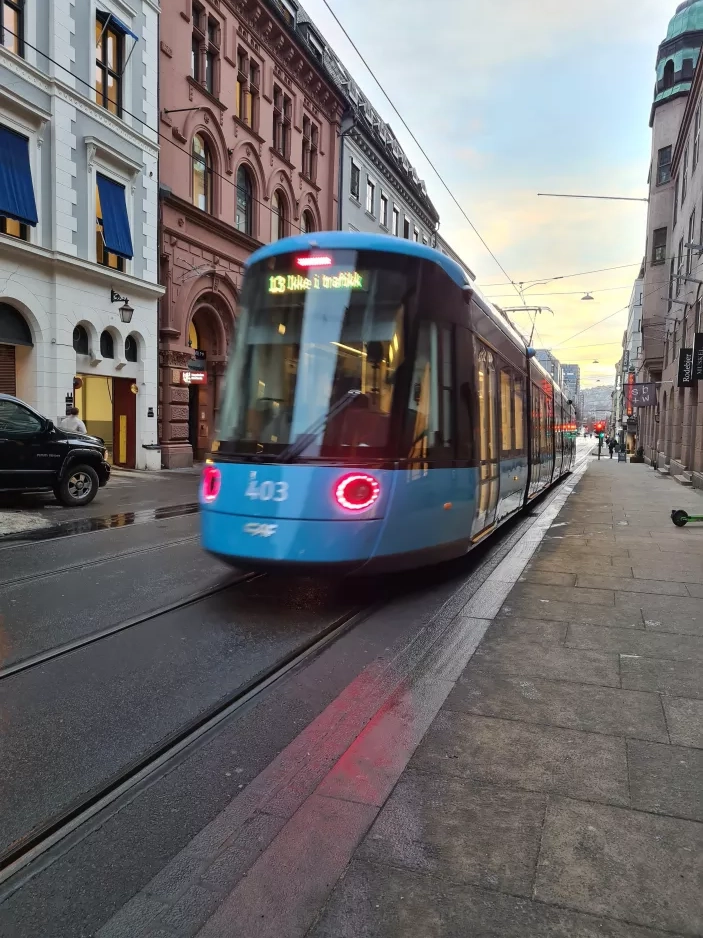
point(266, 491)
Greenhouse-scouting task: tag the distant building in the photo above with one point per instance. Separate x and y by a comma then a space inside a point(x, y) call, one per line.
point(572, 381)
point(625, 419)
point(441, 245)
point(550, 364)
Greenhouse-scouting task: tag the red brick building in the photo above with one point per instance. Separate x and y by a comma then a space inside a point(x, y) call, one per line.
point(249, 154)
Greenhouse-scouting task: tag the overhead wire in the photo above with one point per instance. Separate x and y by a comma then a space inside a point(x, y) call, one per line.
point(419, 146)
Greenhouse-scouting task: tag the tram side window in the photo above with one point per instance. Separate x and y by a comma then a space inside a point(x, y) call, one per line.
point(431, 405)
point(519, 400)
point(506, 411)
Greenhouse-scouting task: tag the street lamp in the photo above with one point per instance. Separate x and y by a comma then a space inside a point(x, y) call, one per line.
point(126, 311)
point(586, 297)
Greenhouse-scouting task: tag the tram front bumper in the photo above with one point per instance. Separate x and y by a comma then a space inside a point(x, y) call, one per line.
point(279, 542)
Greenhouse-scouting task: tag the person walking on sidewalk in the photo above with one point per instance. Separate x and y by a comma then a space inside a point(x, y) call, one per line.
point(73, 422)
point(611, 445)
point(600, 445)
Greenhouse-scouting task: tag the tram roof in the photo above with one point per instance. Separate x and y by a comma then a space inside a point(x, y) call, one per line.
point(360, 241)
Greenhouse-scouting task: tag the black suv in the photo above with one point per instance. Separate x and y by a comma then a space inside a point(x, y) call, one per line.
point(34, 455)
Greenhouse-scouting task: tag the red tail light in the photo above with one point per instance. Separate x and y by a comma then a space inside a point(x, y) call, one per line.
point(211, 483)
point(357, 491)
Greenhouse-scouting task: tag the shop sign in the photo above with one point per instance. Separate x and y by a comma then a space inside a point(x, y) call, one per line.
point(642, 395)
point(686, 379)
point(193, 377)
point(698, 356)
point(630, 382)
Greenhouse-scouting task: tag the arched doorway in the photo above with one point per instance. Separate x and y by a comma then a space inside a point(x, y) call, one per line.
point(15, 347)
point(207, 342)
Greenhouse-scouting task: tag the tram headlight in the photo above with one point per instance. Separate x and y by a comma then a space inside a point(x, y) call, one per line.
point(211, 483)
point(357, 491)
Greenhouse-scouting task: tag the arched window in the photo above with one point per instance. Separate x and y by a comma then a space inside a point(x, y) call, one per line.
point(107, 346)
point(669, 74)
point(307, 222)
point(80, 340)
point(279, 216)
point(245, 200)
point(130, 348)
point(202, 174)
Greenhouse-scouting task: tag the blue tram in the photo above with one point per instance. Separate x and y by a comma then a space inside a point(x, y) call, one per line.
point(377, 414)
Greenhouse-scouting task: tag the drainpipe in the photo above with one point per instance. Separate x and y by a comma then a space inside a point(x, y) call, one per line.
point(348, 124)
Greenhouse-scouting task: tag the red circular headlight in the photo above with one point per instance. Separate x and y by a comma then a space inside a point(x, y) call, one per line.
point(211, 483)
point(357, 491)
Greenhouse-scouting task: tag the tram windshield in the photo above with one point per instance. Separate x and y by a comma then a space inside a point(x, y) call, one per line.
point(319, 344)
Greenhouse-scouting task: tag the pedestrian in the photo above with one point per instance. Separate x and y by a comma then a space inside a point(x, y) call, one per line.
point(611, 445)
point(73, 422)
point(600, 444)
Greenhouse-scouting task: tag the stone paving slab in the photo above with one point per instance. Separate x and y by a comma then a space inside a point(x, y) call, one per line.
point(537, 592)
point(626, 864)
point(514, 655)
point(624, 584)
point(666, 779)
point(462, 832)
point(678, 678)
point(517, 755)
point(572, 706)
point(684, 719)
point(380, 901)
point(636, 642)
point(627, 618)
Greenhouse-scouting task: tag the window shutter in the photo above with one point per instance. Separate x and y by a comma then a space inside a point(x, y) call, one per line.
point(7, 370)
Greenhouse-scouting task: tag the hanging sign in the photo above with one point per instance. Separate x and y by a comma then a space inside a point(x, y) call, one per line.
point(698, 357)
point(686, 379)
point(642, 395)
point(630, 382)
point(194, 377)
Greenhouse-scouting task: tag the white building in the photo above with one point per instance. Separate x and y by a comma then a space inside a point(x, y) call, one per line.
point(78, 215)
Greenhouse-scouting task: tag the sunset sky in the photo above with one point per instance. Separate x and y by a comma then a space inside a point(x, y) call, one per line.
point(512, 98)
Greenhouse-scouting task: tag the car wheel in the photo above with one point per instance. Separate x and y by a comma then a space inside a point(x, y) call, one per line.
point(79, 486)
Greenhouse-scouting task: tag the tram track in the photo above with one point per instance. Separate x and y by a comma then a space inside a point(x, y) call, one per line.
point(108, 558)
point(38, 848)
point(59, 651)
point(33, 846)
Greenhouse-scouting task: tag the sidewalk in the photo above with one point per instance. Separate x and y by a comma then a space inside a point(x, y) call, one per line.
point(560, 790)
point(557, 792)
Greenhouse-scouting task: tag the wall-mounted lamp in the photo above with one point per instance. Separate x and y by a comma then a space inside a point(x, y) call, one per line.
point(126, 311)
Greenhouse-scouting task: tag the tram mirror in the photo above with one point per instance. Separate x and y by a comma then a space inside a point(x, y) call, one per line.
point(468, 294)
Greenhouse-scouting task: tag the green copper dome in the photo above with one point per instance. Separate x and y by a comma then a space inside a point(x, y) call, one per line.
point(688, 18)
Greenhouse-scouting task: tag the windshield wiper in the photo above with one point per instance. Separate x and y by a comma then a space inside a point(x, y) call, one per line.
point(303, 440)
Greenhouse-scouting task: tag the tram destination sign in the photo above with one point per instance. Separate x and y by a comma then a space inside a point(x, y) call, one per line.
point(298, 283)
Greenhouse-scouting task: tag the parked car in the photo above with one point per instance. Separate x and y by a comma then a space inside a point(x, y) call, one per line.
point(35, 455)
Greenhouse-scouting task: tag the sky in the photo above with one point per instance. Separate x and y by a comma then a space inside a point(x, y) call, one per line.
point(510, 98)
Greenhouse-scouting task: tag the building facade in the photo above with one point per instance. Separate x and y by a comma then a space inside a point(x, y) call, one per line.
point(571, 376)
point(550, 363)
point(625, 418)
point(442, 245)
point(674, 186)
point(78, 215)
point(672, 433)
point(380, 191)
point(252, 121)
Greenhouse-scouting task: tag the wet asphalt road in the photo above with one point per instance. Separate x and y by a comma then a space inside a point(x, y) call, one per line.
point(71, 724)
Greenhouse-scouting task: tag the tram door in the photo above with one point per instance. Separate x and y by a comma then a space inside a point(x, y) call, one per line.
point(489, 466)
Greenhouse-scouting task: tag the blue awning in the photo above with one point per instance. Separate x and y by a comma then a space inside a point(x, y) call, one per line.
point(123, 28)
point(16, 189)
point(116, 233)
